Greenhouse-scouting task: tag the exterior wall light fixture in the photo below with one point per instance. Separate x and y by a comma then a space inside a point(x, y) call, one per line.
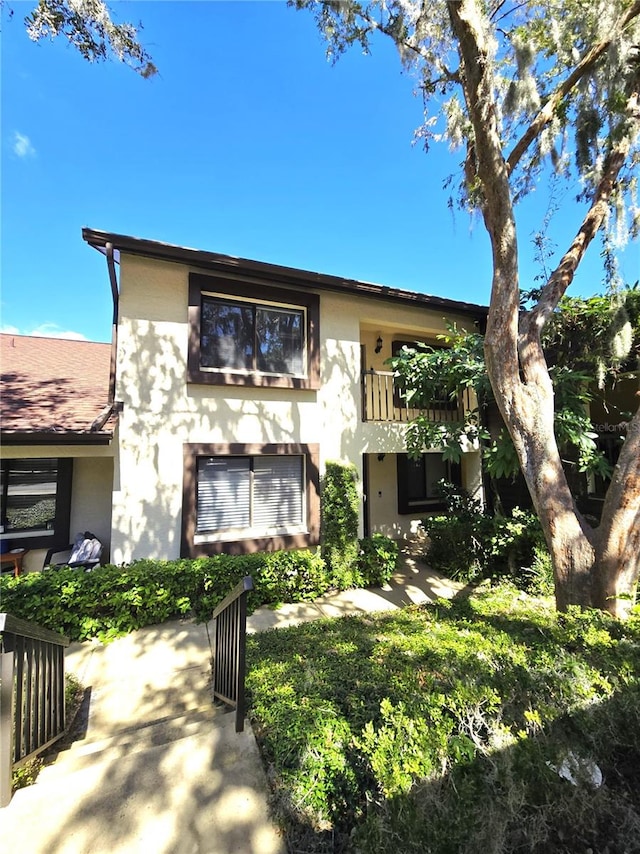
point(378, 344)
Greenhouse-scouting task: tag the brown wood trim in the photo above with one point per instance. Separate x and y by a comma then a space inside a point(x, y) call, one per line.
point(278, 274)
point(199, 284)
point(191, 452)
point(17, 437)
point(60, 536)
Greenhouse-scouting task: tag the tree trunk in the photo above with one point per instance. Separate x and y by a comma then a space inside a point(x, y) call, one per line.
point(618, 537)
point(591, 568)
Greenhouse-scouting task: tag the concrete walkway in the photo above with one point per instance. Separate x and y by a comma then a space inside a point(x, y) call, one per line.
point(153, 766)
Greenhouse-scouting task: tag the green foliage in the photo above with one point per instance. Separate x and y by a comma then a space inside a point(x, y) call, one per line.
point(438, 728)
point(377, 560)
point(583, 341)
point(26, 774)
point(111, 600)
point(340, 503)
point(596, 335)
point(90, 28)
point(467, 544)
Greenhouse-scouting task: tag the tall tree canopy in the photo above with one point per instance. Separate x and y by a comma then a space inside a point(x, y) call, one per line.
point(521, 87)
point(90, 27)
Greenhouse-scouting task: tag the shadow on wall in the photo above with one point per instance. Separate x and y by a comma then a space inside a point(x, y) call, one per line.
point(162, 413)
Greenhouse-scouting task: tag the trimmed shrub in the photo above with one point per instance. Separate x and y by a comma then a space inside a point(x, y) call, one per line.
point(113, 600)
point(340, 524)
point(377, 560)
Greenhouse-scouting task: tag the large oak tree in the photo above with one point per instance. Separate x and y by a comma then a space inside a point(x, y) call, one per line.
point(521, 87)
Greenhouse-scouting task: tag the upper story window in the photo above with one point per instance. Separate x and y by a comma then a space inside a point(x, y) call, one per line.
point(242, 334)
point(36, 498)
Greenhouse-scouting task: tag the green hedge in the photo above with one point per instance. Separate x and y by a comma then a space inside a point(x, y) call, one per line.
point(111, 600)
point(340, 523)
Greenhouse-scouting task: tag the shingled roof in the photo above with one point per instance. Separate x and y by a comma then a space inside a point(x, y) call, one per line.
point(53, 388)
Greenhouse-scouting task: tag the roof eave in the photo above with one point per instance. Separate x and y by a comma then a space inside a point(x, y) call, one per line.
point(51, 437)
point(270, 272)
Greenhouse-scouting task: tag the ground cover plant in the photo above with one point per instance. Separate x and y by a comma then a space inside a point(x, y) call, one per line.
point(448, 728)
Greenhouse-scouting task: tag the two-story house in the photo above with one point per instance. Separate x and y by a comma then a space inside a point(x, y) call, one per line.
point(234, 382)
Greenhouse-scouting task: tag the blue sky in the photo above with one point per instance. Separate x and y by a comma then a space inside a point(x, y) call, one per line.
point(249, 143)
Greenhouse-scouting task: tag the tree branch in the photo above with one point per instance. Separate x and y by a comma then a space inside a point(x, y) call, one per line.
point(532, 323)
point(477, 84)
point(562, 276)
point(586, 63)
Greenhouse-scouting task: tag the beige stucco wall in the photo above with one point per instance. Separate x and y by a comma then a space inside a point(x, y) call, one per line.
point(90, 490)
point(91, 498)
point(162, 412)
point(383, 495)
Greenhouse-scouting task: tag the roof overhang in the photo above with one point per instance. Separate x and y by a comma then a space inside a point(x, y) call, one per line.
point(68, 437)
point(271, 273)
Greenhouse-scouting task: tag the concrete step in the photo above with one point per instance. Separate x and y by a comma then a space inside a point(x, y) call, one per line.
point(204, 792)
point(130, 740)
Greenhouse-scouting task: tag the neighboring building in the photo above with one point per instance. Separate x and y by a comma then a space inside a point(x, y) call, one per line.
point(233, 383)
point(56, 458)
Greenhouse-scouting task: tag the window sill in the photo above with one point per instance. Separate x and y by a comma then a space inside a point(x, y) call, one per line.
point(249, 534)
point(207, 376)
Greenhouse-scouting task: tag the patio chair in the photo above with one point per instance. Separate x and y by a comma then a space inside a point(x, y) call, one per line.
point(85, 551)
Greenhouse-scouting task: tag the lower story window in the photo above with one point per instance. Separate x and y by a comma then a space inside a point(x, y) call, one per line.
point(240, 498)
point(36, 499)
point(261, 495)
point(418, 482)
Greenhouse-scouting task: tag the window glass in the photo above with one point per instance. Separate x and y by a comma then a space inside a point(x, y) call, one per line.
point(224, 490)
point(423, 476)
point(227, 335)
point(277, 491)
point(418, 481)
point(36, 497)
point(280, 341)
point(238, 336)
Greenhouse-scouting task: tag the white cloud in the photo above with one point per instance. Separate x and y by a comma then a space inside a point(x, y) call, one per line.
point(22, 146)
point(45, 330)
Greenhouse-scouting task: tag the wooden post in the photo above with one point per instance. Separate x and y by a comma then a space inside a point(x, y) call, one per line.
point(6, 726)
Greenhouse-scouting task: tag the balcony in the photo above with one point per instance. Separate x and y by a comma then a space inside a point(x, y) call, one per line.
point(381, 402)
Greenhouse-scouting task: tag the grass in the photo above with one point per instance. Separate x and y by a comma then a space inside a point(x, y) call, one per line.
point(439, 729)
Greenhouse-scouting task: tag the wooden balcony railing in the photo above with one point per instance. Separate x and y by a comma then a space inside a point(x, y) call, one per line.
point(229, 647)
point(381, 402)
point(32, 714)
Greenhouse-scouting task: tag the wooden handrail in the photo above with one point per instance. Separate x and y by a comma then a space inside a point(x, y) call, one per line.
point(17, 626)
